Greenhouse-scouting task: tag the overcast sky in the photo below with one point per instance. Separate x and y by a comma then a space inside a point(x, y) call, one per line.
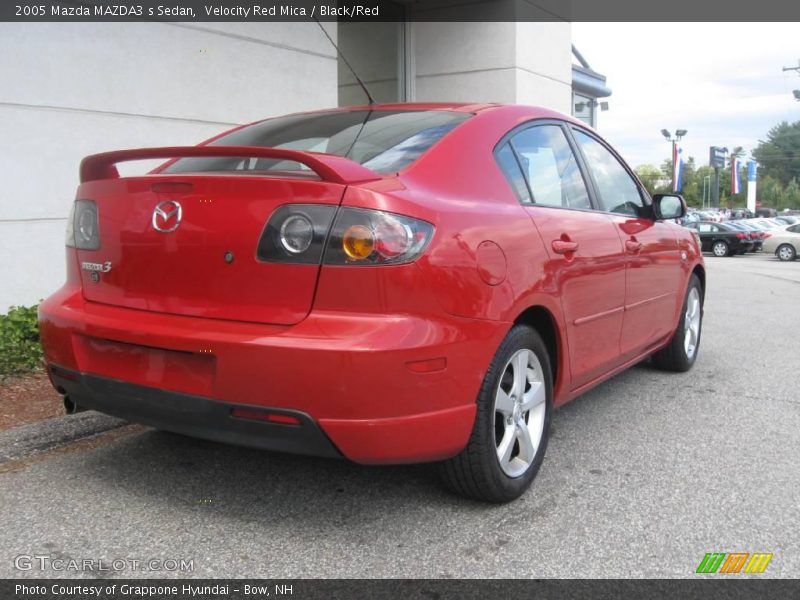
point(720, 81)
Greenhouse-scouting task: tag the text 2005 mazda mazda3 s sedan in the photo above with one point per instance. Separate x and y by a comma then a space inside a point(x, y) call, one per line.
point(390, 284)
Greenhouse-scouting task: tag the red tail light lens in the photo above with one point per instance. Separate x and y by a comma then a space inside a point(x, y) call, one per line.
point(374, 237)
point(741, 236)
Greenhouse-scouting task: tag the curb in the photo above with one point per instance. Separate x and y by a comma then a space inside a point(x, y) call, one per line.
point(26, 440)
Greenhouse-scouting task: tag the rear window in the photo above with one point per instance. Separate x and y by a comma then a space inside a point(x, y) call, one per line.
point(382, 140)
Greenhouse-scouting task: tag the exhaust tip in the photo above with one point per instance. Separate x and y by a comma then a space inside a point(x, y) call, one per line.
point(70, 407)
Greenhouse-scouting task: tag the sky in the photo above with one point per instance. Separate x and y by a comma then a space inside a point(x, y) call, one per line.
point(722, 82)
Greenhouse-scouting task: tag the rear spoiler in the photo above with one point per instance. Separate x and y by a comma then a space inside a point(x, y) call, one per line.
point(329, 167)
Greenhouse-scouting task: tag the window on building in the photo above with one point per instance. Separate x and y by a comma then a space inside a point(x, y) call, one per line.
point(583, 108)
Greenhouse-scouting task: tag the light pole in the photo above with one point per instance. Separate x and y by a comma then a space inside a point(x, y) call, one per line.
point(679, 133)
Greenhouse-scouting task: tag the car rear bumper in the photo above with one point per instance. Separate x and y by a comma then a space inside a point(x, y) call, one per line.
point(373, 388)
point(195, 416)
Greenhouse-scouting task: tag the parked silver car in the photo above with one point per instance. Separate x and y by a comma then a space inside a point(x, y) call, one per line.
point(784, 242)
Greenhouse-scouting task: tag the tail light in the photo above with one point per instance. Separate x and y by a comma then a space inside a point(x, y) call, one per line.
point(297, 233)
point(766, 235)
point(82, 227)
point(374, 237)
point(741, 236)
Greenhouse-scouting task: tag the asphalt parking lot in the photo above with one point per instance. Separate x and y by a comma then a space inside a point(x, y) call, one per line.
point(643, 476)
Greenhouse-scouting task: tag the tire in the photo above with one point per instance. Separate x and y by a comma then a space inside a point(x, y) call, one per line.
point(501, 421)
point(720, 248)
point(681, 352)
point(786, 252)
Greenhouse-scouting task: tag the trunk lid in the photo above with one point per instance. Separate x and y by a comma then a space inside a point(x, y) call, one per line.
point(207, 266)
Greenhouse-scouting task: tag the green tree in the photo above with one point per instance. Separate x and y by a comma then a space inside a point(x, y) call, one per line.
point(650, 176)
point(779, 155)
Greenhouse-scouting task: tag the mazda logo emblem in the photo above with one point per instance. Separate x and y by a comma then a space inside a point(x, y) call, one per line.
point(167, 216)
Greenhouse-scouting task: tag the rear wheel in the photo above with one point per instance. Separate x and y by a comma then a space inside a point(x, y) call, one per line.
point(512, 423)
point(720, 249)
point(681, 352)
point(786, 252)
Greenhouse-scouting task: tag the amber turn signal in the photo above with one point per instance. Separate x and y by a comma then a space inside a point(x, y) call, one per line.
point(358, 242)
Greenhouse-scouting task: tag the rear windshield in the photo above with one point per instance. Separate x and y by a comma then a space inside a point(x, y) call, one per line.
point(384, 141)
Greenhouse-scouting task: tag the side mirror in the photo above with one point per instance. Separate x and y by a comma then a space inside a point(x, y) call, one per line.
point(668, 206)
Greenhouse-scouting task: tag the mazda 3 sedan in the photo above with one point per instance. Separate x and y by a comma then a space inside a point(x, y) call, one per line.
point(388, 283)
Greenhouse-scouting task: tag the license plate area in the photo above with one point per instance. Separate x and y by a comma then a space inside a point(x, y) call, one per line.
point(188, 372)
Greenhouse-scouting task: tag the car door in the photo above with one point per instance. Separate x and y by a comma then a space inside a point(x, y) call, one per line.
point(707, 232)
point(653, 271)
point(586, 259)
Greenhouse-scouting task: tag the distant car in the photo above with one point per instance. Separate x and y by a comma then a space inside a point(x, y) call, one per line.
point(767, 224)
point(785, 243)
point(753, 233)
point(788, 219)
point(766, 212)
point(721, 239)
point(741, 213)
point(711, 216)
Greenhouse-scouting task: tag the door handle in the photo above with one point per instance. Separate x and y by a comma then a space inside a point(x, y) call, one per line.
point(564, 246)
point(633, 246)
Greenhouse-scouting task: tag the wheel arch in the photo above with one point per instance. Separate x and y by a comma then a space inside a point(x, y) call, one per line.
point(544, 322)
point(701, 275)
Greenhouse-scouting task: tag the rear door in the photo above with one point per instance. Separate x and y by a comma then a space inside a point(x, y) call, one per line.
point(586, 258)
point(187, 245)
point(652, 274)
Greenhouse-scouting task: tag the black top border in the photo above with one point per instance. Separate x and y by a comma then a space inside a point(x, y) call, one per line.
point(32, 11)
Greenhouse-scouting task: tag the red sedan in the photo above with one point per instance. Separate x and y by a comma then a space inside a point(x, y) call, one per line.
point(388, 283)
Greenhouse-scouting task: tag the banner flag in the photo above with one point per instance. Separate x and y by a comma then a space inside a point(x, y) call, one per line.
point(677, 167)
point(736, 184)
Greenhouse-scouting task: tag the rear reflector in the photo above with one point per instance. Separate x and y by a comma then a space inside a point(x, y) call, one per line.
point(432, 365)
point(254, 415)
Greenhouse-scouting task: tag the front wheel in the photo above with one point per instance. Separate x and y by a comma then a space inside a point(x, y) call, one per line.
point(786, 252)
point(512, 423)
point(681, 352)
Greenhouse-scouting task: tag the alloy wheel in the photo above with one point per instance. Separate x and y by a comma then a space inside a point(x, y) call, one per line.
point(519, 409)
point(691, 323)
point(720, 249)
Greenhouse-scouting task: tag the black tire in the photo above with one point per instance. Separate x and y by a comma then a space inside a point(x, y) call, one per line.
point(786, 252)
point(674, 356)
point(720, 248)
point(476, 472)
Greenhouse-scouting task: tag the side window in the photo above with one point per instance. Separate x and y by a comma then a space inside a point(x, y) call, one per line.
point(793, 229)
point(618, 191)
point(704, 228)
point(510, 167)
point(550, 167)
point(713, 228)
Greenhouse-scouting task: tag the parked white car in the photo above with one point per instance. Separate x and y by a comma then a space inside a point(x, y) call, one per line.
point(784, 242)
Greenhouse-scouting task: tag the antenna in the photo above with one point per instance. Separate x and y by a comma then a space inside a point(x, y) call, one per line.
point(349, 66)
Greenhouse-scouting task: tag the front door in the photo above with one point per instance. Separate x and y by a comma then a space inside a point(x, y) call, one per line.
point(586, 257)
point(653, 273)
